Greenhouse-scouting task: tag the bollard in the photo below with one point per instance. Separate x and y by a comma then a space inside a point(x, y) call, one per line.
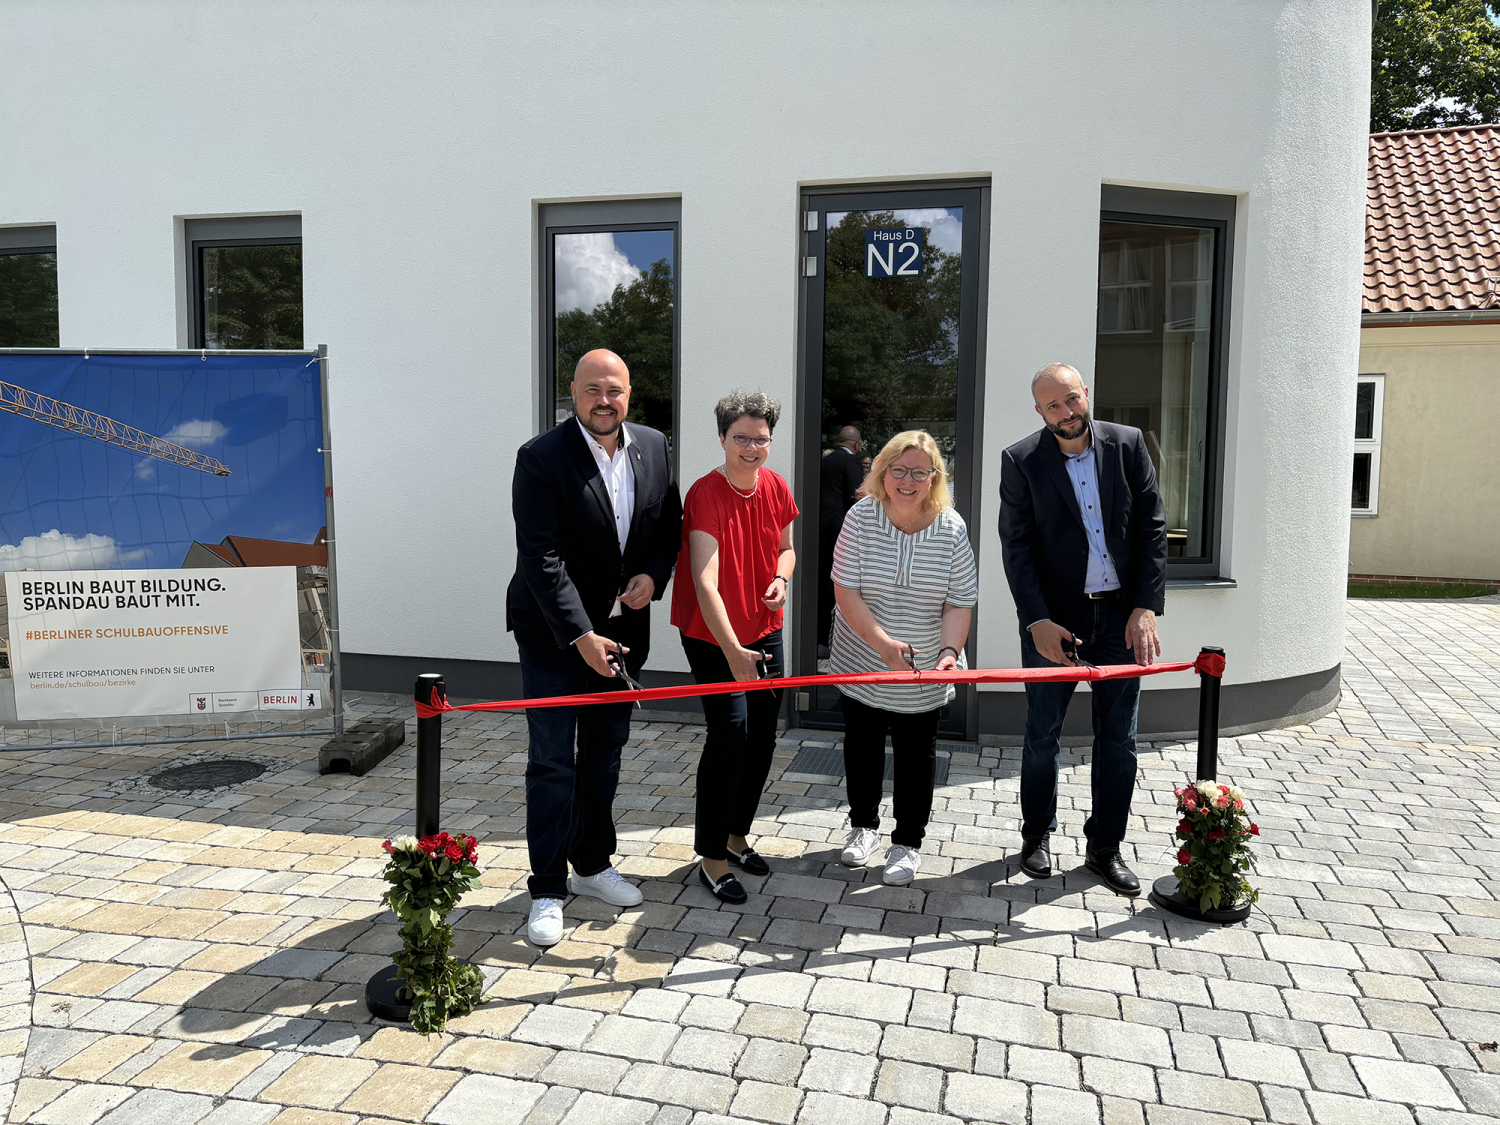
point(430, 690)
point(1208, 720)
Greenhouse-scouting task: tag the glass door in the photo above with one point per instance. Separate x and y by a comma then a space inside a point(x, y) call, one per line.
point(891, 342)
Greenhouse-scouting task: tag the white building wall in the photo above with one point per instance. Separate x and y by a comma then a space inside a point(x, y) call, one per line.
point(416, 141)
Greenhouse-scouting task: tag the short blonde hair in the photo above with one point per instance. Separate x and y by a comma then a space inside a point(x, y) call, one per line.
point(939, 497)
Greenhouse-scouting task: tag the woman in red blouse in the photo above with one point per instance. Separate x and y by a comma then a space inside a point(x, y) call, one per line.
point(731, 585)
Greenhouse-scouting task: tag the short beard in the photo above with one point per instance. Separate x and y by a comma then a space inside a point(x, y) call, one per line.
point(592, 427)
point(1082, 416)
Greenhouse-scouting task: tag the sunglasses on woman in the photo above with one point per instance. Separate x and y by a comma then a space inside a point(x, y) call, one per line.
point(901, 472)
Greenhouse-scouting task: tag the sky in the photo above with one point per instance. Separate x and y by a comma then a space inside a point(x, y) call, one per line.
point(589, 266)
point(70, 502)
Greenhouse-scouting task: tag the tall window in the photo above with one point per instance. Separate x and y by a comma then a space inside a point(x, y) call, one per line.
point(1158, 350)
point(610, 271)
point(28, 287)
point(1369, 405)
point(245, 288)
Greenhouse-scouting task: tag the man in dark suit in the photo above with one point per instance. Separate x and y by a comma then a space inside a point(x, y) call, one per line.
point(1084, 541)
point(840, 477)
point(598, 527)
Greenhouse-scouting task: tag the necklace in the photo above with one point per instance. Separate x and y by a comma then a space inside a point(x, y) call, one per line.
point(739, 492)
point(897, 525)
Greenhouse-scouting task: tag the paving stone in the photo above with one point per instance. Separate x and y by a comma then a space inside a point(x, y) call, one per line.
point(598, 1109)
point(1119, 1079)
point(160, 1107)
point(679, 1087)
point(600, 1073)
point(838, 1072)
point(82, 1105)
point(1053, 1106)
point(1013, 1023)
point(976, 1097)
point(883, 1002)
point(1263, 1062)
point(769, 1061)
point(646, 1040)
point(1089, 1035)
point(771, 986)
point(921, 1045)
point(907, 1084)
point(820, 1108)
point(1335, 1109)
point(552, 1026)
point(1413, 1083)
point(842, 1034)
point(484, 1099)
point(1050, 1068)
point(763, 1101)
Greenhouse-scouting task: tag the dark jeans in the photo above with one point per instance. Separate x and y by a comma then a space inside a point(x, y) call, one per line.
point(737, 750)
point(914, 744)
point(569, 796)
point(1115, 703)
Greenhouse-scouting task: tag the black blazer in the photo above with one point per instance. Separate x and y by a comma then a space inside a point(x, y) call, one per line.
point(839, 478)
point(569, 566)
point(1042, 540)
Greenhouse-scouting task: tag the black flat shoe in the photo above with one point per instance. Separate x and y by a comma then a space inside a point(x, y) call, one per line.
point(727, 889)
point(1111, 868)
point(749, 861)
point(1036, 859)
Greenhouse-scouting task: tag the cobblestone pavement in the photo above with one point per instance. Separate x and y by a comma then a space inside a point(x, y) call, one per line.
point(198, 959)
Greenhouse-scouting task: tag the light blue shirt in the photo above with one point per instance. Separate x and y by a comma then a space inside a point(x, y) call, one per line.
point(1083, 472)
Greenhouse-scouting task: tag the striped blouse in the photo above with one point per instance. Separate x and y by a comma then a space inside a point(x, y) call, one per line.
point(905, 580)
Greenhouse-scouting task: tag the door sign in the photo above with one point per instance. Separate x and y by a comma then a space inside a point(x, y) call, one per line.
point(894, 251)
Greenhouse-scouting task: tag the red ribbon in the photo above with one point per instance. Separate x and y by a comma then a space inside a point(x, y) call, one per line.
point(1209, 664)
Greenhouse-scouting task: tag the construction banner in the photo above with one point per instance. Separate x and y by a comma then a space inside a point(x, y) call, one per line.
point(138, 470)
point(87, 644)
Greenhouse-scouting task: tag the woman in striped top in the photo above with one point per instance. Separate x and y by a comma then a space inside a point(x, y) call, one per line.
point(905, 583)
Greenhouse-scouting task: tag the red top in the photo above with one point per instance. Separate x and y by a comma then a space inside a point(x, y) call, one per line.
point(748, 531)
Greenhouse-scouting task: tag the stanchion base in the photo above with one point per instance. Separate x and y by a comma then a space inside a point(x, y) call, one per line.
point(381, 998)
point(1164, 894)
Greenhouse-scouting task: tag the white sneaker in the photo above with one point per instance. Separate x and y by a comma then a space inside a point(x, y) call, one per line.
point(545, 925)
point(860, 846)
point(901, 865)
point(606, 885)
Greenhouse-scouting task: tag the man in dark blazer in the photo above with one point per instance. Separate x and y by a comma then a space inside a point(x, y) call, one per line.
point(839, 479)
point(598, 527)
point(1084, 540)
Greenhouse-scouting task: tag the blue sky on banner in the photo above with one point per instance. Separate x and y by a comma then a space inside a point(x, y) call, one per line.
point(74, 502)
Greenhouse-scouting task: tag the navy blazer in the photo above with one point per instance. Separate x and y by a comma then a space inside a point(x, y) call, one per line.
point(569, 566)
point(1045, 549)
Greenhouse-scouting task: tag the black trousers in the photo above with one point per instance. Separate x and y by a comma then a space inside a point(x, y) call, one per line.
point(914, 743)
point(737, 751)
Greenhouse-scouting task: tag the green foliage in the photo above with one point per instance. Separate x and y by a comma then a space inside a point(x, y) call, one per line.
point(636, 324)
point(252, 296)
point(1434, 63)
point(1213, 846)
point(424, 888)
point(890, 346)
point(1418, 590)
point(28, 300)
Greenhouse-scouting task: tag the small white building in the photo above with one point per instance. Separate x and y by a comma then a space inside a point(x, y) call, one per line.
point(1167, 195)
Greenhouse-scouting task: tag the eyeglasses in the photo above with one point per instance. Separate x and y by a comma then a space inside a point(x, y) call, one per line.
point(901, 472)
point(747, 442)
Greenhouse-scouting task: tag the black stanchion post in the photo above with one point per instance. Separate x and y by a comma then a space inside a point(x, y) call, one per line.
point(1208, 720)
point(429, 690)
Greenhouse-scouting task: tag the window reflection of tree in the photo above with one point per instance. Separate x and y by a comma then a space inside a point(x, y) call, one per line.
point(636, 324)
point(890, 345)
point(28, 300)
point(252, 296)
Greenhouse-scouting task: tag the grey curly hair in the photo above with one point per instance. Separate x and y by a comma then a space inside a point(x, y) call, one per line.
point(738, 404)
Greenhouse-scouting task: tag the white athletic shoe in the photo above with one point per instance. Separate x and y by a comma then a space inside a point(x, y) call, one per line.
point(606, 885)
point(860, 846)
point(901, 865)
point(544, 927)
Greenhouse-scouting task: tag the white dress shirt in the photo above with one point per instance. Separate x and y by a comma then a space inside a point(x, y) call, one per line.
point(619, 482)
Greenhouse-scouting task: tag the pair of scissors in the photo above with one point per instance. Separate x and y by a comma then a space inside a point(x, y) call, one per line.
point(617, 662)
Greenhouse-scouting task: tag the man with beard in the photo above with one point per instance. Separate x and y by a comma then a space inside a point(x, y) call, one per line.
point(598, 522)
point(1084, 540)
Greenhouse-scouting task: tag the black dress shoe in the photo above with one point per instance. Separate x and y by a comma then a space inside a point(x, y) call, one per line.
point(749, 861)
point(1036, 860)
point(726, 889)
point(1111, 868)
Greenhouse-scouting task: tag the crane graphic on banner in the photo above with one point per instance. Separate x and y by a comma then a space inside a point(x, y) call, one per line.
point(66, 416)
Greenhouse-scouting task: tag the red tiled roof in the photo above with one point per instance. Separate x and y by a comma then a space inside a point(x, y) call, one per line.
point(276, 552)
point(1432, 222)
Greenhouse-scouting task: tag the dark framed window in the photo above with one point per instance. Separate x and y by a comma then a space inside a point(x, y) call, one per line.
point(28, 287)
point(609, 273)
point(1159, 361)
point(245, 282)
point(1369, 418)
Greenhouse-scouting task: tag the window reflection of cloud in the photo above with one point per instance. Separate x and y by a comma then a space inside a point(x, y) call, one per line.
point(945, 227)
point(588, 267)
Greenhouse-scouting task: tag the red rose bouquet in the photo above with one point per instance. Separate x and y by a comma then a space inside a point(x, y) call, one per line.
point(1213, 846)
point(427, 878)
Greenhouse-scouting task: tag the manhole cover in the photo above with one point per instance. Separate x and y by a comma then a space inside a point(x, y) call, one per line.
point(207, 775)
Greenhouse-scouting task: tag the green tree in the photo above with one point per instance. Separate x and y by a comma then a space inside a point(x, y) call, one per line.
point(1434, 63)
point(636, 324)
point(28, 300)
point(890, 346)
point(252, 296)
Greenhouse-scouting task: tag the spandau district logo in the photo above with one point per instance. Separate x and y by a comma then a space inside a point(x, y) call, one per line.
point(201, 702)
